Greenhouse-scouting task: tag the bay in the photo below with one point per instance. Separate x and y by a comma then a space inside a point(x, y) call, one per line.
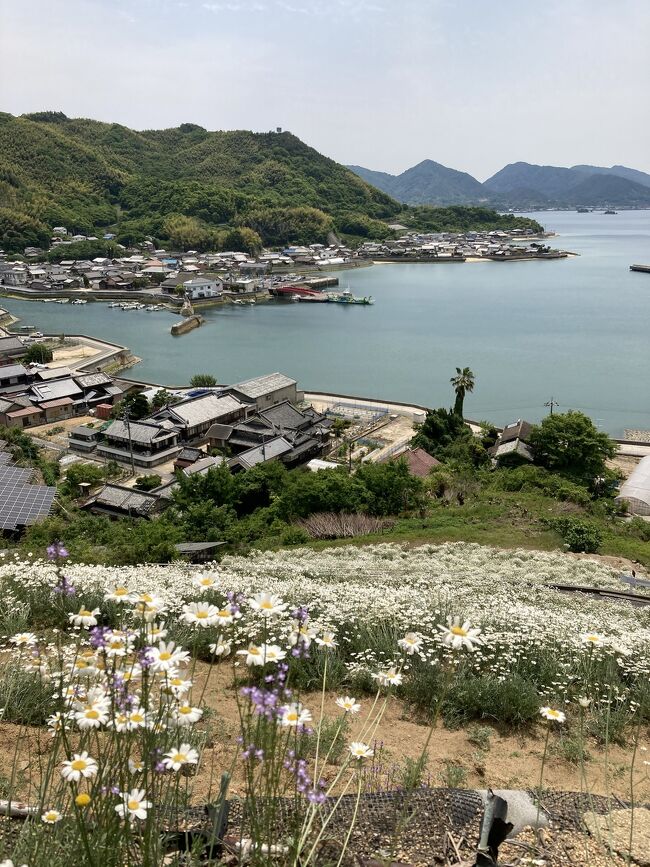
point(574, 329)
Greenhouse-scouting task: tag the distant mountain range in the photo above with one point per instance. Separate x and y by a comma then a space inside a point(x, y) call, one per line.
point(518, 185)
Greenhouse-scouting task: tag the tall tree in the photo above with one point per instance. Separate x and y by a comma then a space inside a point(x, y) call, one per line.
point(462, 383)
point(570, 443)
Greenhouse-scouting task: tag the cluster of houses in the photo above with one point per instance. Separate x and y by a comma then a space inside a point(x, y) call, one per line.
point(192, 274)
point(30, 397)
point(456, 247)
point(250, 423)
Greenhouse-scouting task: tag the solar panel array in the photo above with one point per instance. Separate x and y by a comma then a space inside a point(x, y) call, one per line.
point(21, 503)
point(11, 475)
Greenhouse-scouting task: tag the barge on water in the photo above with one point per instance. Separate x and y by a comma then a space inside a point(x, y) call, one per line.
point(644, 269)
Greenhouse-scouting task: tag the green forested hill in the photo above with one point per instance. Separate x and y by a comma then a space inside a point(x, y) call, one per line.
point(189, 186)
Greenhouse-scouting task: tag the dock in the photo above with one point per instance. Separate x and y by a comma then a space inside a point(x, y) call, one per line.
point(644, 269)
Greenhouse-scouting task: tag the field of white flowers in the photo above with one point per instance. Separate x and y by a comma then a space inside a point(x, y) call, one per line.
point(106, 658)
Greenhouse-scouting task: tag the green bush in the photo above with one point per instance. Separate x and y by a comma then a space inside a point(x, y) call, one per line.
point(578, 535)
point(26, 699)
point(295, 536)
point(513, 701)
point(38, 353)
point(148, 483)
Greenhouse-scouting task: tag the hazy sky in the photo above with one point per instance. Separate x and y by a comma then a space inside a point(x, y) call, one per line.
point(474, 84)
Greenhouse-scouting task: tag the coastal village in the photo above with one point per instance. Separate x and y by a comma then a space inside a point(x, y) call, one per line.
point(158, 276)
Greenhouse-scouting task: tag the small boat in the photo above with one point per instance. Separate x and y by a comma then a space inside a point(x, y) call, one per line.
point(238, 301)
point(115, 304)
point(611, 212)
point(295, 297)
point(153, 307)
point(346, 297)
point(79, 301)
point(61, 300)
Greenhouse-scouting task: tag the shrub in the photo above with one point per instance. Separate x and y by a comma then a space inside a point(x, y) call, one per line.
point(38, 353)
point(295, 536)
point(332, 525)
point(578, 536)
point(513, 701)
point(148, 483)
point(26, 699)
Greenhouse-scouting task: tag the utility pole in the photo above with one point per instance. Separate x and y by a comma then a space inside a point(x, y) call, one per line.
point(551, 403)
point(128, 433)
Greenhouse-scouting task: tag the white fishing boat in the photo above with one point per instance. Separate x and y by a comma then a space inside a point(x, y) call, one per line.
point(79, 301)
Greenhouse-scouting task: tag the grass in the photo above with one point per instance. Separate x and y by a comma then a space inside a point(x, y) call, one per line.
point(503, 519)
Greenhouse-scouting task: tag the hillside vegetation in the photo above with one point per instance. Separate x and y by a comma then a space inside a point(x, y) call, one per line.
point(187, 186)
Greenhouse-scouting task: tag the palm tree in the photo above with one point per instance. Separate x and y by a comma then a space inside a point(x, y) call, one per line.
point(462, 383)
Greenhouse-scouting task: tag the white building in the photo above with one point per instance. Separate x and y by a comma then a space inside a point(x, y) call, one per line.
point(201, 287)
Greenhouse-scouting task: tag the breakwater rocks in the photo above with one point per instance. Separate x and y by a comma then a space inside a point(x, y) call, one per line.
point(185, 325)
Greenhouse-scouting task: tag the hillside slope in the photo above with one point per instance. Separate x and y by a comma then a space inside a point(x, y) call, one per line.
point(85, 174)
point(427, 183)
point(580, 185)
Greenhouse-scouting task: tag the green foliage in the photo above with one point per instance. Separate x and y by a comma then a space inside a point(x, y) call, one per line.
point(440, 429)
point(242, 238)
point(462, 218)
point(24, 698)
point(513, 701)
point(530, 478)
point(79, 474)
point(135, 404)
point(38, 353)
point(19, 230)
point(462, 383)
point(285, 225)
point(203, 380)
point(85, 250)
point(148, 483)
point(570, 443)
point(479, 736)
point(391, 489)
point(578, 535)
point(163, 398)
point(181, 185)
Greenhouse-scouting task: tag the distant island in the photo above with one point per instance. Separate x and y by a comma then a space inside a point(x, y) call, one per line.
point(519, 186)
point(188, 188)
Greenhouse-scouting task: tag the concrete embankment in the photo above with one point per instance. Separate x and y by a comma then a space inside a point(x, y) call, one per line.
point(187, 324)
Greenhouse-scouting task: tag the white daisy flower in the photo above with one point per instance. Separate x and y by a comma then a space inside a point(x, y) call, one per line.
point(23, 639)
point(200, 614)
point(51, 817)
point(80, 765)
point(268, 604)
point(359, 750)
point(326, 640)
point(348, 704)
point(294, 715)
point(458, 635)
point(84, 618)
point(119, 594)
point(411, 643)
point(590, 639)
point(390, 677)
point(552, 715)
point(174, 760)
point(220, 648)
point(186, 715)
point(205, 581)
point(134, 805)
point(167, 656)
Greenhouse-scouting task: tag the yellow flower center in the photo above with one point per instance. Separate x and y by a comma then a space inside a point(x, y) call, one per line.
point(137, 717)
point(120, 591)
point(254, 651)
point(266, 603)
point(458, 630)
point(179, 757)
point(292, 716)
point(146, 597)
point(206, 582)
point(85, 613)
point(51, 816)
point(224, 613)
point(185, 709)
point(82, 800)
point(201, 615)
point(92, 714)
point(133, 804)
point(79, 765)
point(165, 655)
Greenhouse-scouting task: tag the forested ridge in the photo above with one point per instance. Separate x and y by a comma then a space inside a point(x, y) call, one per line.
point(187, 186)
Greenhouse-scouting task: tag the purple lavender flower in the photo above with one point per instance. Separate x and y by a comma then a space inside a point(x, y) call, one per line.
point(98, 636)
point(56, 551)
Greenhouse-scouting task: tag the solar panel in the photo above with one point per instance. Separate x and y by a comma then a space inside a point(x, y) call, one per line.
point(5, 457)
point(11, 475)
point(22, 504)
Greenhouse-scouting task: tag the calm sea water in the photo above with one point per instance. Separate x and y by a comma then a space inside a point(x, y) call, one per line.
point(575, 330)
